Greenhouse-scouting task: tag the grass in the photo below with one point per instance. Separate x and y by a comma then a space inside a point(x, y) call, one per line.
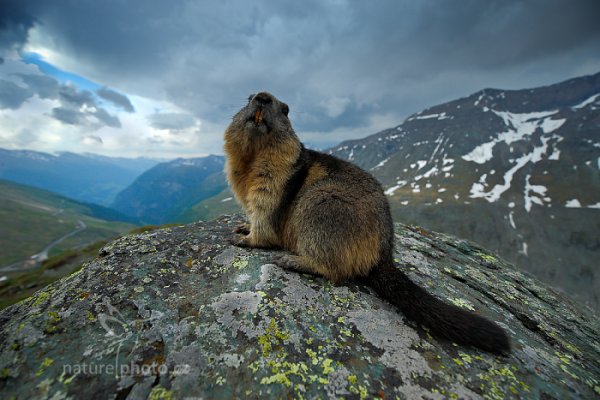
point(31, 218)
point(25, 231)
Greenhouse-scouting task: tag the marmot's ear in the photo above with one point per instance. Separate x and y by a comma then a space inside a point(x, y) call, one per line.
point(250, 97)
point(285, 109)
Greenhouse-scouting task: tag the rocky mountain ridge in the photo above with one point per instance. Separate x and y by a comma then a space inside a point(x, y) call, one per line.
point(519, 169)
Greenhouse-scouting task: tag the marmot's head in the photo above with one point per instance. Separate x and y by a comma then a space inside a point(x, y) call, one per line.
point(263, 119)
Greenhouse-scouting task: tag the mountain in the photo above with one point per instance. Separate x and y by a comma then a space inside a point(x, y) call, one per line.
point(515, 170)
point(85, 177)
point(166, 191)
point(31, 219)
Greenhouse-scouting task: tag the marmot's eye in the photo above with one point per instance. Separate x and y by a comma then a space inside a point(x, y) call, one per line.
point(285, 109)
point(250, 98)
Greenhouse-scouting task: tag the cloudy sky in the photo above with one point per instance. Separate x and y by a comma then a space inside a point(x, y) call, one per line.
point(163, 78)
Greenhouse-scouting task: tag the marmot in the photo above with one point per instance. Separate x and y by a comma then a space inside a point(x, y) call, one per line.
point(332, 217)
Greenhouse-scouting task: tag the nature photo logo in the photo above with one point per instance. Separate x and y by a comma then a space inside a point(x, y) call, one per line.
point(122, 338)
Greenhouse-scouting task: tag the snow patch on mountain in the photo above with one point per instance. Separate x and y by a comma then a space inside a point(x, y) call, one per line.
point(478, 188)
point(555, 156)
point(512, 220)
point(520, 126)
point(419, 164)
point(439, 141)
point(439, 116)
point(481, 96)
point(381, 164)
point(534, 194)
point(482, 153)
point(524, 249)
point(390, 191)
point(586, 102)
point(573, 203)
point(433, 171)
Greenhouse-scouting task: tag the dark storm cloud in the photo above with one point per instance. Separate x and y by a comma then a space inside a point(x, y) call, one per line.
point(81, 103)
point(336, 63)
point(15, 21)
point(116, 98)
point(46, 87)
point(70, 94)
point(77, 106)
point(12, 95)
point(72, 116)
point(103, 116)
point(69, 116)
point(171, 121)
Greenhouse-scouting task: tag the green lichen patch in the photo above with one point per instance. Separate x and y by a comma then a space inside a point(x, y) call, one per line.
point(499, 381)
point(160, 393)
point(272, 338)
point(52, 319)
point(240, 263)
point(488, 258)
point(462, 303)
point(44, 365)
point(90, 316)
point(40, 298)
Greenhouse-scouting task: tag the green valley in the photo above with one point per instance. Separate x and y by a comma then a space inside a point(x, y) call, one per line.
point(44, 236)
point(31, 219)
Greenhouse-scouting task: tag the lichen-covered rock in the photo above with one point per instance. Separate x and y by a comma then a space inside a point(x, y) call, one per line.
point(180, 312)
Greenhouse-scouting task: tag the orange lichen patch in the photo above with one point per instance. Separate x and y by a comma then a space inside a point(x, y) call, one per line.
point(422, 231)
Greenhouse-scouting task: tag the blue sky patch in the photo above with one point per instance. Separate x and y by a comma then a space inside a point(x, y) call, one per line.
point(58, 74)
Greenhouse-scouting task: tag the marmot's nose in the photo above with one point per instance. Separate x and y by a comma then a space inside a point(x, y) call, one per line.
point(262, 98)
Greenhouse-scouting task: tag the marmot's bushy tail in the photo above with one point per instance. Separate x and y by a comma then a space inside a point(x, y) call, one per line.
point(442, 319)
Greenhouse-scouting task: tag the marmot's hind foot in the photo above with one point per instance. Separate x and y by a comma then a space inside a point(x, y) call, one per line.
point(287, 262)
point(296, 263)
point(247, 242)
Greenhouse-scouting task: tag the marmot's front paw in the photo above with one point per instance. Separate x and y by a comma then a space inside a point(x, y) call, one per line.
point(243, 229)
point(240, 242)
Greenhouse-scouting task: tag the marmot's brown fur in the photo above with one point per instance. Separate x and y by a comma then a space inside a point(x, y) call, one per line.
point(331, 216)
